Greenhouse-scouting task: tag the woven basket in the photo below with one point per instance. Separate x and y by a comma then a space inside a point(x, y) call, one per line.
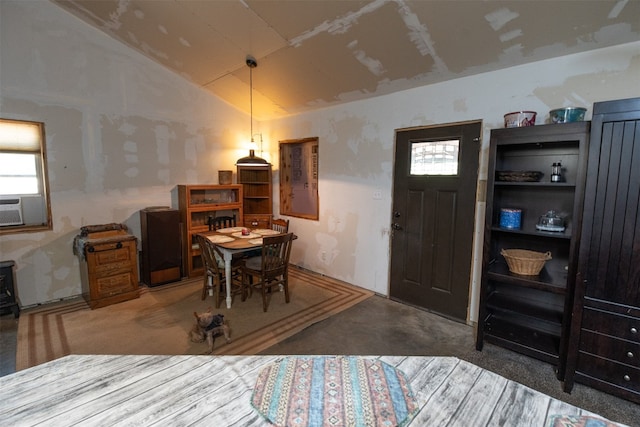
point(524, 262)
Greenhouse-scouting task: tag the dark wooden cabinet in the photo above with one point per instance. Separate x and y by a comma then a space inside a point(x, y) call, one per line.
point(256, 195)
point(8, 301)
point(531, 314)
point(161, 257)
point(604, 348)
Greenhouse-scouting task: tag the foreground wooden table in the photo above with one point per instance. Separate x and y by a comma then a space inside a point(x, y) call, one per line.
point(216, 391)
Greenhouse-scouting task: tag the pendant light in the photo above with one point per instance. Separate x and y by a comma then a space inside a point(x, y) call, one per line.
point(252, 159)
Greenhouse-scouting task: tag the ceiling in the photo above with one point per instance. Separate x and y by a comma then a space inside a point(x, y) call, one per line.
point(317, 53)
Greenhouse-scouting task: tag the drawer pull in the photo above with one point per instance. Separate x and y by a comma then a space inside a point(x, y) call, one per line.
point(629, 354)
point(627, 378)
point(634, 330)
point(119, 245)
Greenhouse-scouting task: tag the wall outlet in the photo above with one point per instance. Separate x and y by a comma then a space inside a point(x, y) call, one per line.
point(377, 195)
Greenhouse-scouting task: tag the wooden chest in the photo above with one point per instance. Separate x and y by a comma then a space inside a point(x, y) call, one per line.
point(110, 270)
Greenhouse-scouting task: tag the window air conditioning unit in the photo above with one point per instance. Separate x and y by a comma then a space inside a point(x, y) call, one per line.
point(10, 211)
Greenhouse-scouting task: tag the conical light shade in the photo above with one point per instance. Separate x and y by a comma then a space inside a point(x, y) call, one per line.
point(252, 160)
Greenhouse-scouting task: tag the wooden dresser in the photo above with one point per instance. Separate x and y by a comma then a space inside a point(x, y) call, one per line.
point(604, 348)
point(109, 268)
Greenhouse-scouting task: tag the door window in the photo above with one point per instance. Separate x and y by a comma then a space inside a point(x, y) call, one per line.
point(434, 157)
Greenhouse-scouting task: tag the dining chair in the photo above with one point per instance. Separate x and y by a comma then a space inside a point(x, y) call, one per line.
point(280, 225)
point(218, 222)
point(271, 269)
point(214, 275)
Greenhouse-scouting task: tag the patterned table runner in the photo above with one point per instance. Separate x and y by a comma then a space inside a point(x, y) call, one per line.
point(333, 391)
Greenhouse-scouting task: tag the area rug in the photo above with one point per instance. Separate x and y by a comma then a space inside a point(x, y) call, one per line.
point(159, 321)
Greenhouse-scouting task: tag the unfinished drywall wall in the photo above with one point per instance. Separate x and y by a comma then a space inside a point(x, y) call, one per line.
point(121, 133)
point(351, 239)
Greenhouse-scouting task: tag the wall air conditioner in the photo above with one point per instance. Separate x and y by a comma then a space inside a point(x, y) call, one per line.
point(10, 211)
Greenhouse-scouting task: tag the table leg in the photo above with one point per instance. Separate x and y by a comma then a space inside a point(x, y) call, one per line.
point(227, 275)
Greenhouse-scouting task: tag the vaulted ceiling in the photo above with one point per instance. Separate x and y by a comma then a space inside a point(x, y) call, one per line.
point(317, 53)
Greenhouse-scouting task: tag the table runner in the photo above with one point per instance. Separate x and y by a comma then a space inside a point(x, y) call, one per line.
point(334, 391)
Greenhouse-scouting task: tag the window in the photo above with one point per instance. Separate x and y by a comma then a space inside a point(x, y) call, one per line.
point(435, 157)
point(24, 197)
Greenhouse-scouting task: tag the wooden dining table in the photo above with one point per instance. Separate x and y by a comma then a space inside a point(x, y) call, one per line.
point(231, 241)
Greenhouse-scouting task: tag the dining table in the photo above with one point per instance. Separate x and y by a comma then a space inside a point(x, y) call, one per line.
point(235, 240)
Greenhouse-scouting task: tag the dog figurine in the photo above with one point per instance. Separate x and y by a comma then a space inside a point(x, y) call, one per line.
point(207, 327)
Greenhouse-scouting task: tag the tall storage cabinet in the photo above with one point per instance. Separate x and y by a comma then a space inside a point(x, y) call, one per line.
point(161, 260)
point(604, 350)
point(531, 314)
point(257, 195)
point(196, 204)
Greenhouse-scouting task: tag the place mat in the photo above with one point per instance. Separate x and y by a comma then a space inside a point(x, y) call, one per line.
point(265, 232)
point(333, 390)
point(229, 230)
point(220, 239)
point(256, 241)
point(248, 236)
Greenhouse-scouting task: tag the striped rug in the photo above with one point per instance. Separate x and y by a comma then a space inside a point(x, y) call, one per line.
point(159, 321)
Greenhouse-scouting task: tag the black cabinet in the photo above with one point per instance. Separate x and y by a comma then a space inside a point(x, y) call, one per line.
point(161, 260)
point(604, 349)
point(8, 301)
point(531, 314)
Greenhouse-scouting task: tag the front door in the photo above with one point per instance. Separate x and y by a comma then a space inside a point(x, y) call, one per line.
point(434, 194)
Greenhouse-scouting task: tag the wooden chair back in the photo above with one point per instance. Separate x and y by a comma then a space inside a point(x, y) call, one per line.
point(212, 272)
point(214, 275)
point(280, 225)
point(276, 251)
point(273, 269)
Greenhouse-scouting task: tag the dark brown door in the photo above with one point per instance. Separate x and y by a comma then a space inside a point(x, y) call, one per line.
point(434, 193)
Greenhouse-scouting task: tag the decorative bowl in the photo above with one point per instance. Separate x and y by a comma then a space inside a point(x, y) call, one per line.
point(567, 115)
point(519, 119)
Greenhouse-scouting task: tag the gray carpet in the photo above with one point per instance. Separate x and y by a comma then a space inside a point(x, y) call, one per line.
point(379, 326)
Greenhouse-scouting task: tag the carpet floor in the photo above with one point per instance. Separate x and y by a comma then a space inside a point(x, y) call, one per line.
point(159, 321)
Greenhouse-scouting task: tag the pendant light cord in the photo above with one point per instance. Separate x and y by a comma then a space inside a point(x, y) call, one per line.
point(251, 98)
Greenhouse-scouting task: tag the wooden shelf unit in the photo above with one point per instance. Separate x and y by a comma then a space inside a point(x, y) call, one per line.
point(531, 314)
point(257, 195)
point(196, 204)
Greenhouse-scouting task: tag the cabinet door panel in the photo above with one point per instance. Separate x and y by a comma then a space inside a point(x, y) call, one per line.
point(613, 242)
